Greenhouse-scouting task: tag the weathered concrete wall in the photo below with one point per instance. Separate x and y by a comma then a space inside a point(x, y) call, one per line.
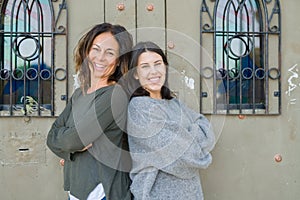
point(243, 160)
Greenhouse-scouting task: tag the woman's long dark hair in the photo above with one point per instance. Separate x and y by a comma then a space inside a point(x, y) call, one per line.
point(134, 86)
point(124, 39)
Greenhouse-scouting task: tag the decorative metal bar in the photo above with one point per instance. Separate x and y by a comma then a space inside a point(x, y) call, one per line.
point(30, 73)
point(207, 26)
point(237, 31)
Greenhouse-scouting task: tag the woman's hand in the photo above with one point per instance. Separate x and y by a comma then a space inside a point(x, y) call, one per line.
point(86, 148)
point(62, 161)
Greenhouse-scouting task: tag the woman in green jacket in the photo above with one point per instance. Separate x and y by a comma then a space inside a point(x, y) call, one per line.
point(89, 134)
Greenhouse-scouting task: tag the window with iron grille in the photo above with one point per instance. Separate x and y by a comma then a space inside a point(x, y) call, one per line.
point(240, 60)
point(29, 70)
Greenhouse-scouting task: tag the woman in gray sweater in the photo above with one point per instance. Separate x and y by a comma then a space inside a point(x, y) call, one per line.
point(168, 142)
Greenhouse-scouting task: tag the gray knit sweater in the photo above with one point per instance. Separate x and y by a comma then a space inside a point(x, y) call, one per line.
point(168, 143)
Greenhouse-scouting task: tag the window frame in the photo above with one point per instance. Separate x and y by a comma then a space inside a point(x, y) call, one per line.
point(270, 31)
point(56, 75)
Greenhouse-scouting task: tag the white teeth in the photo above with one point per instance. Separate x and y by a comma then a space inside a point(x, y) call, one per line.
point(154, 79)
point(99, 66)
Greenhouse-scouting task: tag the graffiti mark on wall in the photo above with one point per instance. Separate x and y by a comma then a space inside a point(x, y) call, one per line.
point(293, 82)
point(189, 82)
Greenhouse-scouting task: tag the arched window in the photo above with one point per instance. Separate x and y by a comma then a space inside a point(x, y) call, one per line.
point(28, 71)
point(245, 71)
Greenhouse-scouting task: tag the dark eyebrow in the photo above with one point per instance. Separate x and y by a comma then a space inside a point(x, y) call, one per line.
point(111, 49)
point(97, 45)
point(158, 61)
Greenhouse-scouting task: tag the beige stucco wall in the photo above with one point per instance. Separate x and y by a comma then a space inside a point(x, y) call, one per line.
point(243, 160)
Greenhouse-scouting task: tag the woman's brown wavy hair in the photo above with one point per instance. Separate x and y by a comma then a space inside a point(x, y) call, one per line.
point(124, 39)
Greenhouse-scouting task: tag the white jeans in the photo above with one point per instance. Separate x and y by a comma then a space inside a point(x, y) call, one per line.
point(96, 194)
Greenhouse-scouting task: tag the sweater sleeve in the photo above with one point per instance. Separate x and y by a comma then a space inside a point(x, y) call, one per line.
point(85, 123)
point(57, 131)
point(201, 127)
point(171, 146)
point(154, 140)
point(197, 154)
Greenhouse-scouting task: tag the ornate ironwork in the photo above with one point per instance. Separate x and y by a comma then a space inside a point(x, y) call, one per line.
point(275, 12)
point(62, 6)
point(241, 30)
point(207, 26)
point(25, 55)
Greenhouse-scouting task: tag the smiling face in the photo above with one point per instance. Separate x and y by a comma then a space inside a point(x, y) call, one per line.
point(151, 73)
point(103, 57)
